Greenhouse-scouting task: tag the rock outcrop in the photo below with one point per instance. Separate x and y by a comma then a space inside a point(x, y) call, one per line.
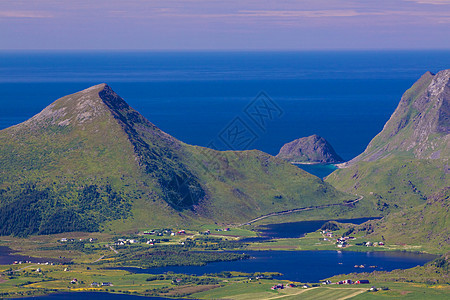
point(311, 149)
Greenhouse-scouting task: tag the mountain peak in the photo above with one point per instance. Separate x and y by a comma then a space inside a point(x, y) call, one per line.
point(420, 125)
point(89, 161)
point(78, 108)
point(312, 149)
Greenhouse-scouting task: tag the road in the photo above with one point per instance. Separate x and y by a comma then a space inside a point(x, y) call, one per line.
point(290, 211)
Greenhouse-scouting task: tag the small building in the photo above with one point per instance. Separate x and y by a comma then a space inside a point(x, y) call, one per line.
point(74, 281)
point(107, 284)
point(95, 284)
point(363, 281)
point(277, 287)
point(305, 286)
point(348, 281)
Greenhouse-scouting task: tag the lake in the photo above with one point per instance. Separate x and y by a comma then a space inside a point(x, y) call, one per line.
point(8, 257)
point(298, 229)
point(304, 266)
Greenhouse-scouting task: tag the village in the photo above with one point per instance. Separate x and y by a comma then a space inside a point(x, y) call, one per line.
point(344, 241)
point(281, 286)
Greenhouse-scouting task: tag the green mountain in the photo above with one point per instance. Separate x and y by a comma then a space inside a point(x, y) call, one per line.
point(90, 162)
point(408, 160)
point(310, 149)
point(426, 225)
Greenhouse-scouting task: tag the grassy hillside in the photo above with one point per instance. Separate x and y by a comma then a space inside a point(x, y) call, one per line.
point(392, 183)
point(90, 162)
point(427, 225)
point(408, 160)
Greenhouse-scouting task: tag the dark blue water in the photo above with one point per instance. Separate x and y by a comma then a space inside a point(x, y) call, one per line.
point(345, 97)
point(299, 229)
point(305, 266)
point(8, 257)
point(320, 170)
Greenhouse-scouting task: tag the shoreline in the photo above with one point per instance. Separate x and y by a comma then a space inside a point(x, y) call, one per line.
point(313, 163)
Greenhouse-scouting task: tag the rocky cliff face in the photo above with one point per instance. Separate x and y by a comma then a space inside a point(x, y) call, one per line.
point(420, 125)
point(311, 149)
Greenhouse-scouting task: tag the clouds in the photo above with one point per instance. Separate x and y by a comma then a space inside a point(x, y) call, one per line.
point(25, 14)
point(180, 24)
point(433, 2)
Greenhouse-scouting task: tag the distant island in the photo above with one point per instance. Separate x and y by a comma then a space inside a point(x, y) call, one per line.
point(312, 149)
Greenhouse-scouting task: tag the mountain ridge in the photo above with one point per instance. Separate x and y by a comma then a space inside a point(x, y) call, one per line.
point(90, 162)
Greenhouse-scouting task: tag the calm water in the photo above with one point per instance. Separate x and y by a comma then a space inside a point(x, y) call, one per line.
point(305, 266)
point(8, 257)
point(298, 229)
point(320, 170)
point(344, 96)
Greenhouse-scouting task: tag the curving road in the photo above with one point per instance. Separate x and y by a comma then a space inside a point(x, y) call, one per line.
point(290, 211)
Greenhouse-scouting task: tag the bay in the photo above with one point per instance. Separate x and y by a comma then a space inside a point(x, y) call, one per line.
point(320, 170)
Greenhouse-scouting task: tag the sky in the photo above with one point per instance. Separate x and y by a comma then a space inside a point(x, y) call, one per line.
point(224, 24)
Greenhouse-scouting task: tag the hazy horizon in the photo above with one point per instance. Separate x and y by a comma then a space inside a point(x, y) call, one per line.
point(246, 25)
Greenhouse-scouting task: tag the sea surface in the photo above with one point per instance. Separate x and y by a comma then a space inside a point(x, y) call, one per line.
point(304, 266)
point(345, 97)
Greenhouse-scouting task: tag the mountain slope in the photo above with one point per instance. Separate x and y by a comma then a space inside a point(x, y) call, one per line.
point(420, 125)
point(313, 149)
point(408, 160)
point(427, 225)
point(90, 162)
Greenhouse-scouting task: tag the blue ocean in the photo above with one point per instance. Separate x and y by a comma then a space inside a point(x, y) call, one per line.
point(345, 97)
